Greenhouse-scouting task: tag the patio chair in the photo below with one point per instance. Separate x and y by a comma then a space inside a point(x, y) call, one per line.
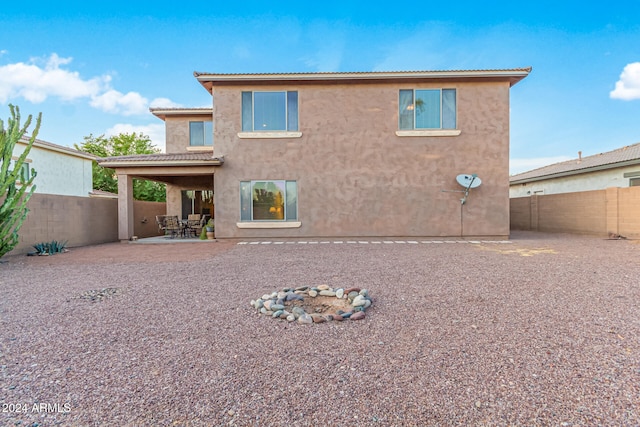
point(194, 225)
point(172, 226)
point(161, 221)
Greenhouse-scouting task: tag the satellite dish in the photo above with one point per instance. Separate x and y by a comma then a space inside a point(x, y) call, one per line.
point(469, 181)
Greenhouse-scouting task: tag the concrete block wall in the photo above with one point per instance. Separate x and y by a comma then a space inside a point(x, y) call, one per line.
point(577, 213)
point(81, 221)
point(629, 212)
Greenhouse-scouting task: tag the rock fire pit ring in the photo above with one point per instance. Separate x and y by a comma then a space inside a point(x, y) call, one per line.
point(317, 304)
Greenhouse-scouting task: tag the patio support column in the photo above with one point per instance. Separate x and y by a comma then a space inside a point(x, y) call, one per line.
point(125, 207)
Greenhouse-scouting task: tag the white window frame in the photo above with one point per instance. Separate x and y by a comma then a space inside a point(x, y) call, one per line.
point(293, 222)
point(207, 126)
point(428, 131)
point(270, 134)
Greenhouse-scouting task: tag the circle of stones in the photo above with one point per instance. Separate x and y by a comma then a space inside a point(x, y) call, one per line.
point(278, 304)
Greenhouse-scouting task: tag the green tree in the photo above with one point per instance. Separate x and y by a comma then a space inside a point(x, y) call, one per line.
point(122, 145)
point(13, 182)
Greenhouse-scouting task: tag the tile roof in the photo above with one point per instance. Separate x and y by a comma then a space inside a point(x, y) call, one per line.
point(162, 113)
point(194, 109)
point(512, 75)
point(367, 73)
point(103, 194)
point(59, 148)
point(607, 160)
point(162, 157)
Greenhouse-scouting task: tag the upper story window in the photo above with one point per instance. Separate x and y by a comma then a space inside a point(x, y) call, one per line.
point(270, 111)
point(201, 134)
point(427, 109)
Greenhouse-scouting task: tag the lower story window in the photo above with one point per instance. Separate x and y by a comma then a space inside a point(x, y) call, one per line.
point(275, 200)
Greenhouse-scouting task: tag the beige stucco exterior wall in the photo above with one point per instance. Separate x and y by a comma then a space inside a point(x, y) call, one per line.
point(356, 177)
point(174, 201)
point(597, 180)
point(177, 133)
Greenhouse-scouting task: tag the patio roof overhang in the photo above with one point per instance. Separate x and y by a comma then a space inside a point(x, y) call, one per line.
point(163, 113)
point(192, 170)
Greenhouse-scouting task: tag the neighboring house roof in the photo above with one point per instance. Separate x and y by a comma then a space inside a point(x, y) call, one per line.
point(208, 80)
point(162, 159)
point(625, 156)
point(103, 194)
point(162, 113)
point(58, 148)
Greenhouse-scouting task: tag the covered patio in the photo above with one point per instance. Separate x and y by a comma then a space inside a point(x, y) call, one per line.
point(182, 171)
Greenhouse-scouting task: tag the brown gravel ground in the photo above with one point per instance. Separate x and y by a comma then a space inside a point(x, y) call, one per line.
point(544, 330)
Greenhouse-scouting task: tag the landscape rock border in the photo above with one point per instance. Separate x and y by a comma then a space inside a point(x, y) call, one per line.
point(285, 304)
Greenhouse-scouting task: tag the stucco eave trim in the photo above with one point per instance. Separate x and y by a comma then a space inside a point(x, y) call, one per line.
point(200, 148)
point(163, 113)
point(268, 135)
point(255, 225)
point(433, 132)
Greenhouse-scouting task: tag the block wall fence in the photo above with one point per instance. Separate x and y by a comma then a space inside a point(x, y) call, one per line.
point(81, 221)
point(600, 212)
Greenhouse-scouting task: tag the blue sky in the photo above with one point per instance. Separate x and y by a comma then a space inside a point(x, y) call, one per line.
point(96, 68)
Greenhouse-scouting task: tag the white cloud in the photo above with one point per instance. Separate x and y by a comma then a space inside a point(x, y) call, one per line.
point(524, 165)
point(113, 101)
point(35, 83)
point(38, 79)
point(628, 87)
point(155, 132)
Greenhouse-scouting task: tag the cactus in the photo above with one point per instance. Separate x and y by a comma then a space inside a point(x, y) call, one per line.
point(13, 209)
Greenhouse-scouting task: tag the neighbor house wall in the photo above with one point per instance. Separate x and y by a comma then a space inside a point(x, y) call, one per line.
point(602, 212)
point(598, 180)
point(356, 177)
point(81, 221)
point(58, 172)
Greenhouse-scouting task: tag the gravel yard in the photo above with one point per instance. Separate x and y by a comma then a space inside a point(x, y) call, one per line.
point(544, 330)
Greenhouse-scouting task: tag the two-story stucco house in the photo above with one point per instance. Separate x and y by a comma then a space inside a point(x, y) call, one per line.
point(326, 155)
